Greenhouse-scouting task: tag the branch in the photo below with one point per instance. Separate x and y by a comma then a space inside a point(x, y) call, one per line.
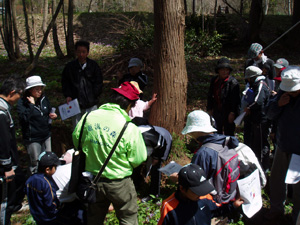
point(237, 12)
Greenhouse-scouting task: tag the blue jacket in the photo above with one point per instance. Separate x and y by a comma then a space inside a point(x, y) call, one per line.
point(288, 126)
point(207, 158)
point(42, 199)
point(177, 211)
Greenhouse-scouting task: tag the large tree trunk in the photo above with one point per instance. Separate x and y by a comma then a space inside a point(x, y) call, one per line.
point(255, 21)
point(69, 38)
point(57, 48)
point(45, 20)
point(170, 76)
point(32, 66)
point(27, 32)
point(15, 28)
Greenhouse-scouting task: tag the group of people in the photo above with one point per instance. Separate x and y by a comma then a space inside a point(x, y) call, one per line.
point(270, 103)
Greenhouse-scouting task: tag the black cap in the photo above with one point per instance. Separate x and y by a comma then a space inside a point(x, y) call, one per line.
point(223, 63)
point(193, 177)
point(48, 159)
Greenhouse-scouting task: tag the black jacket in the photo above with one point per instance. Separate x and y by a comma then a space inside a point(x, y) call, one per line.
point(230, 96)
point(83, 84)
point(34, 119)
point(8, 146)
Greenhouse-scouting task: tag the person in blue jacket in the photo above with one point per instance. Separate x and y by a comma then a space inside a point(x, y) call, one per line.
point(34, 111)
point(41, 190)
point(192, 204)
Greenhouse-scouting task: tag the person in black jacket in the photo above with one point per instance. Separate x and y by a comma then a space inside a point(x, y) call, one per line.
point(223, 99)
point(11, 194)
point(135, 66)
point(34, 111)
point(82, 79)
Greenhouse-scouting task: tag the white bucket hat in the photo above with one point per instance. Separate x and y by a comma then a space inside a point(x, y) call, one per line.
point(252, 71)
point(198, 121)
point(290, 79)
point(34, 81)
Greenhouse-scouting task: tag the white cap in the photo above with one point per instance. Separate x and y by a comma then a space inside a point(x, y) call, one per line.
point(290, 79)
point(198, 121)
point(34, 81)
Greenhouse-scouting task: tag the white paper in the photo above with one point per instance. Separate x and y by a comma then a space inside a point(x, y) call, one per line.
point(250, 192)
point(68, 110)
point(293, 173)
point(239, 119)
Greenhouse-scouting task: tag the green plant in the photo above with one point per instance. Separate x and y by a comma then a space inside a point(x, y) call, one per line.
point(135, 38)
point(202, 44)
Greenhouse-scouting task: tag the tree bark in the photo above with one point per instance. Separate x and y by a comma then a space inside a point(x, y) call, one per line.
point(69, 38)
point(7, 33)
point(27, 32)
point(15, 28)
point(33, 22)
point(45, 20)
point(255, 21)
point(57, 48)
point(266, 9)
point(170, 76)
point(215, 15)
point(32, 66)
point(194, 7)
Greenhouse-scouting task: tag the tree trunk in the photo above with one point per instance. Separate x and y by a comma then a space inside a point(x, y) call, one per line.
point(27, 32)
point(215, 15)
point(255, 20)
point(57, 48)
point(7, 33)
point(289, 7)
point(15, 28)
point(33, 22)
point(170, 76)
point(185, 7)
point(69, 38)
point(242, 7)
point(90, 6)
point(194, 7)
point(45, 20)
point(32, 66)
point(266, 7)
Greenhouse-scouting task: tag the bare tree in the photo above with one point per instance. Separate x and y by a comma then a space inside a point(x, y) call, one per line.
point(32, 66)
point(266, 7)
point(45, 19)
point(170, 76)
point(57, 48)
point(33, 22)
point(215, 15)
point(27, 32)
point(90, 6)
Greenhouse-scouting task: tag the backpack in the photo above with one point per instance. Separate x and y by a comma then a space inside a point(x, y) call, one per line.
point(8, 116)
point(227, 172)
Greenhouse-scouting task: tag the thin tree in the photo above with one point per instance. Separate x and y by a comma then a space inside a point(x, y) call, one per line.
point(15, 28)
point(45, 20)
point(57, 48)
point(32, 66)
point(27, 32)
point(215, 15)
point(90, 6)
point(33, 22)
point(170, 76)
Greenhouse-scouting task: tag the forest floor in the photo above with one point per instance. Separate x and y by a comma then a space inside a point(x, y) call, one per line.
point(103, 31)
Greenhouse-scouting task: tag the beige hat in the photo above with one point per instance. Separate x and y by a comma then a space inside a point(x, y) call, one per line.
point(34, 81)
point(252, 71)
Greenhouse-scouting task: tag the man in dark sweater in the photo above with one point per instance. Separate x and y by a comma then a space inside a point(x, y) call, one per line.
point(82, 79)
